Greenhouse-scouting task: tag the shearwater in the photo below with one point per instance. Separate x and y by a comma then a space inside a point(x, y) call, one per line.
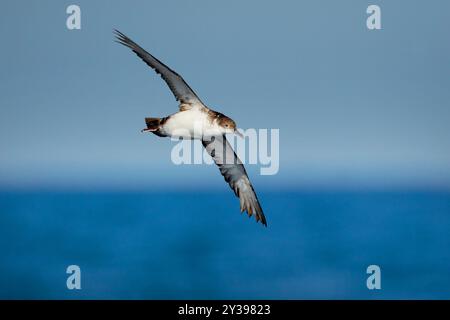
point(193, 115)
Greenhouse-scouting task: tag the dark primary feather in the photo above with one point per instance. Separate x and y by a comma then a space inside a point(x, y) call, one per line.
point(234, 173)
point(177, 85)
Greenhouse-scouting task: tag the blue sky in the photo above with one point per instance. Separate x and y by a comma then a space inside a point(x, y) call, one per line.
point(355, 108)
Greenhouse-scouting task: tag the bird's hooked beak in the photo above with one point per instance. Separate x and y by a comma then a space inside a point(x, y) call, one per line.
point(238, 133)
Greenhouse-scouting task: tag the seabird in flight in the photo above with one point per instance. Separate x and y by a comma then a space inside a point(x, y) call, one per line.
point(194, 114)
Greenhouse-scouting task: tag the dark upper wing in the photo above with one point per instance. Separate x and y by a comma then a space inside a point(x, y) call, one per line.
point(234, 173)
point(177, 85)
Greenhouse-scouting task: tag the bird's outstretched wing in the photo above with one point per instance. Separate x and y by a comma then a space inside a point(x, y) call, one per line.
point(233, 171)
point(180, 89)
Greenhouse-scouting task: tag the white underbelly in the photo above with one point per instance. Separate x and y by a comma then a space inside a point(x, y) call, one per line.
point(189, 124)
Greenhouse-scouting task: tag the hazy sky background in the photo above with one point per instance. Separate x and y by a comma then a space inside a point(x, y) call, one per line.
point(355, 108)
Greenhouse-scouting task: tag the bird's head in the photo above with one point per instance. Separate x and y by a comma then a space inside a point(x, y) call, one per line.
point(228, 125)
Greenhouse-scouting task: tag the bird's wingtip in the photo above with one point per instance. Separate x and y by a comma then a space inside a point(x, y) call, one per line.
point(263, 221)
point(120, 37)
point(117, 32)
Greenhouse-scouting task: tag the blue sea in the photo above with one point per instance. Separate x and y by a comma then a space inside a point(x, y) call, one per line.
point(176, 245)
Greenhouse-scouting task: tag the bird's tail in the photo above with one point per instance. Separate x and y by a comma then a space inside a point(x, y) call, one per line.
point(153, 123)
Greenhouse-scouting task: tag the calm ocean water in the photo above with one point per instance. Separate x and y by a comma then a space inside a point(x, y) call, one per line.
point(178, 245)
